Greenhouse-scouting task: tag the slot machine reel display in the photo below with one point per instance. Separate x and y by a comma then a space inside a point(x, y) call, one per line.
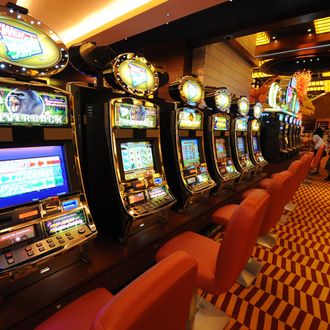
point(125, 179)
point(243, 163)
point(254, 138)
point(217, 138)
point(43, 207)
point(183, 150)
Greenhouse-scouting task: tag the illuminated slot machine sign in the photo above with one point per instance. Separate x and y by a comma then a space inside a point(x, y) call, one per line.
point(243, 105)
point(28, 107)
point(221, 123)
point(189, 119)
point(222, 99)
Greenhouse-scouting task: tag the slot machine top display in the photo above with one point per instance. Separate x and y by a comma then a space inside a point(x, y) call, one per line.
point(219, 99)
point(139, 170)
point(43, 208)
point(134, 74)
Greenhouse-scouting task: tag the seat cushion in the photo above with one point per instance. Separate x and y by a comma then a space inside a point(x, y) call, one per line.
point(79, 314)
point(264, 184)
point(204, 250)
point(223, 215)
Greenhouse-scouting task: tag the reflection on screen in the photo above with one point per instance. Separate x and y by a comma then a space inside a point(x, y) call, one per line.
point(220, 146)
point(240, 145)
point(255, 144)
point(190, 152)
point(137, 159)
point(34, 173)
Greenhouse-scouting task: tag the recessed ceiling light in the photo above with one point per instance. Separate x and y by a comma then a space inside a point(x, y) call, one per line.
point(273, 37)
point(297, 61)
point(166, 23)
point(311, 60)
point(167, 14)
point(309, 30)
point(317, 59)
point(304, 61)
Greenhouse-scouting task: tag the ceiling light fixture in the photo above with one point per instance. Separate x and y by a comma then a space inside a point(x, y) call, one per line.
point(262, 38)
point(309, 30)
point(322, 25)
point(273, 37)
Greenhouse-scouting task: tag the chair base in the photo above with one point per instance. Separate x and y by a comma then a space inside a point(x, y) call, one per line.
point(283, 219)
point(290, 207)
point(268, 240)
point(250, 272)
point(209, 317)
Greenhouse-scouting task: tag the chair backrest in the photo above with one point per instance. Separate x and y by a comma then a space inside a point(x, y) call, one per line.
point(317, 158)
point(277, 190)
point(240, 237)
point(306, 159)
point(297, 169)
point(159, 299)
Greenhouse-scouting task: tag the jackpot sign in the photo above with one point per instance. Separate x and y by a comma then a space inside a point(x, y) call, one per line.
point(24, 45)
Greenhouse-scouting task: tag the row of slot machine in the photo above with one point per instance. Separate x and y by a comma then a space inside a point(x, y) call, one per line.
point(280, 125)
point(131, 155)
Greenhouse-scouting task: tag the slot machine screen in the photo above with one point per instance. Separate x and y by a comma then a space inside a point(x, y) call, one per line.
point(190, 152)
point(31, 173)
point(255, 144)
point(137, 159)
point(189, 119)
point(240, 146)
point(27, 107)
point(220, 146)
point(221, 123)
point(241, 125)
point(135, 116)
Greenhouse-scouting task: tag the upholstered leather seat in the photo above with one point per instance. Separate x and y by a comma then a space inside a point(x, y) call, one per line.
point(316, 160)
point(219, 265)
point(159, 299)
point(277, 189)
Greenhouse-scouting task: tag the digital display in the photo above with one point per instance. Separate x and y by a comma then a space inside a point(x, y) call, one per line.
point(240, 145)
point(135, 116)
point(257, 110)
point(66, 222)
point(191, 180)
point(255, 144)
point(202, 177)
point(137, 75)
point(32, 108)
point(243, 105)
point(16, 236)
point(230, 169)
point(25, 45)
point(32, 173)
point(190, 152)
point(221, 123)
point(241, 124)
point(190, 119)
point(220, 147)
point(157, 192)
point(281, 117)
point(255, 126)
point(222, 100)
point(192, 91)
point(132, 199)
point(137, 159)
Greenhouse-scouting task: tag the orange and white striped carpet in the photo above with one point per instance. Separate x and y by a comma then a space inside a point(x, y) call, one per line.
point(293, 289)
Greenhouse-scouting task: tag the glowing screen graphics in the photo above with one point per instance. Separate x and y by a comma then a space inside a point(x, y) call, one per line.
point(241, 124)
point(16, 236)
point(243, 105)
point(33, 173)
point(257, 109)
point(240, 145)
point(281, 117)
point(31, 108)
point(221, 123)
point(255, 144)
point(137, 159)
point(192, 91)
point(222, 100)
point(190, 152)
point(24, 45)
point(220, 147)
point(66, 222)
point(137, 75)
point(255, 126)
point(135, 116)
point(189, 119)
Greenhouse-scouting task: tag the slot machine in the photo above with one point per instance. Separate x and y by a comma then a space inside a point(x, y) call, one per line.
point(45, 221)
point(217, 138)
point(183, 144)
point(254, 138)
point(125, 179)
point(239, 131)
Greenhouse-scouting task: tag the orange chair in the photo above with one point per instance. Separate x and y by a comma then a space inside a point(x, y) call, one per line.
point(316, 160)
point(219, 265)
point(159, 299)
point(307, 160)
point(277, 188)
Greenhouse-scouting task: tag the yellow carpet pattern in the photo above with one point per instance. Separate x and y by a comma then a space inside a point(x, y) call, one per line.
point(293, 289)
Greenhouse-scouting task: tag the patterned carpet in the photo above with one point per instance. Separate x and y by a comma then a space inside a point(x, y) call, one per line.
point(293, 289)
